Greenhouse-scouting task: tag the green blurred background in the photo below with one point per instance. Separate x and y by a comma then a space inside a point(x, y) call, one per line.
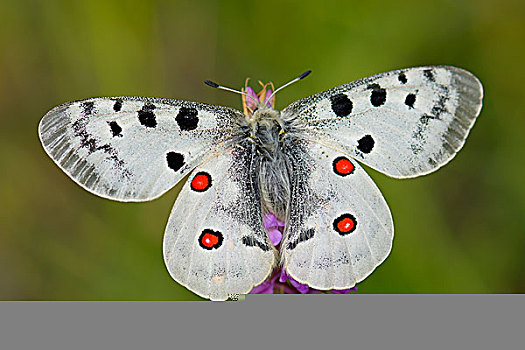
point(459, 230)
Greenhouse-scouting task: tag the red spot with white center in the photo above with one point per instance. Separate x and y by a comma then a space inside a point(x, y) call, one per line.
point(343, 166)
point(201, 182)
point(210, 239)
point(345, 224)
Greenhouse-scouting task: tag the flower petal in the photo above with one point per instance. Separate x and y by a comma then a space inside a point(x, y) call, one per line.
point(267, 96)
point(263, 288)
point(270, 220)
point(251, 102)
point(283, 277)
point(302, 288)
point(275, 236)
point(343, 291)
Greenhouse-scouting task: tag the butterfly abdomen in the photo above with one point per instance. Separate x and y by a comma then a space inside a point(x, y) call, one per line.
point(274, 184)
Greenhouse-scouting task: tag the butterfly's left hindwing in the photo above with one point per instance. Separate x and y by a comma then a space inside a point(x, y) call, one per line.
point(215, 243)
point(339, 227)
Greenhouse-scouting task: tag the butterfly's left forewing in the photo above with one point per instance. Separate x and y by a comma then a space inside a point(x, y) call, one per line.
point(215, 243)
point(339, 227)
point(133, 148)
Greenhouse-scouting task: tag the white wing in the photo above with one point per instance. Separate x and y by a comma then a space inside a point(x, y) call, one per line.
point(133, 148)
point(403, 123)
point(339, 227)
point(215, 243)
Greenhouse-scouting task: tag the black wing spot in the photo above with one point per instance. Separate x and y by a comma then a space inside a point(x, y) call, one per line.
point(175, 160)
point(418, 136)
point(303, 236)
point(378, 96)
point(147, 116)
point(402, 78)
point(341, 105)
point(252, 242)
point(429, 74)
point(187, 118)
point(88, 107)
point(437, 110)
point(439, 107)
point(92, 145)
point(118, 105)
point(366, 144)
point(116, 130)
point(425, 118)
point(410, 100)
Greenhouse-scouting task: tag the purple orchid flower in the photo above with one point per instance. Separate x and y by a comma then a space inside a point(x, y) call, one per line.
point(250, 102)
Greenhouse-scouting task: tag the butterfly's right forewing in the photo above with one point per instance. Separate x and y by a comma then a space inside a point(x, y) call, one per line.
point(133, 148)
point(403, 123)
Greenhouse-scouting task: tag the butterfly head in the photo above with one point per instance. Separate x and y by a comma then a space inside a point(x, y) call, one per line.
point(252, 101)
point(259, 108)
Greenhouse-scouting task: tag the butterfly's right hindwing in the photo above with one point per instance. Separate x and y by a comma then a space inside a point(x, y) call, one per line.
point(133, 148)
point(215, 243)
point(339, 227)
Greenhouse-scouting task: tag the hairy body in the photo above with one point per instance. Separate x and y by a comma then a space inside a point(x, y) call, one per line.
point(269, 136)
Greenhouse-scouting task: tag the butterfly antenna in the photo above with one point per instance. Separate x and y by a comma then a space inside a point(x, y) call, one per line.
point(302, 76)
point(217, 86)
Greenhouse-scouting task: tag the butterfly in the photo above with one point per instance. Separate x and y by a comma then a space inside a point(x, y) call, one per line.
point(300, 164)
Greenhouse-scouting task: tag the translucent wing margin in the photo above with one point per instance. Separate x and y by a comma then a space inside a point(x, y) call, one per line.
point(339, 227)
point(215, 243)
point(133, 148)
point(403, 123)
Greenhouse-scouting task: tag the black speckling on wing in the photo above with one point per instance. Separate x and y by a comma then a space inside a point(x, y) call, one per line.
point(232, 207)
point(403, 123)
point(339, 228)
point(134, 148)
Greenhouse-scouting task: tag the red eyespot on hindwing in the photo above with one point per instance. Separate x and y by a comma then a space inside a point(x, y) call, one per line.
point(343, 166)
point(345, 224)
point(201, 182)
point(210, 239)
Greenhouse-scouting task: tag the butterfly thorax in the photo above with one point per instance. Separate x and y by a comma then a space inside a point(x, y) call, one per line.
point(266, 131)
